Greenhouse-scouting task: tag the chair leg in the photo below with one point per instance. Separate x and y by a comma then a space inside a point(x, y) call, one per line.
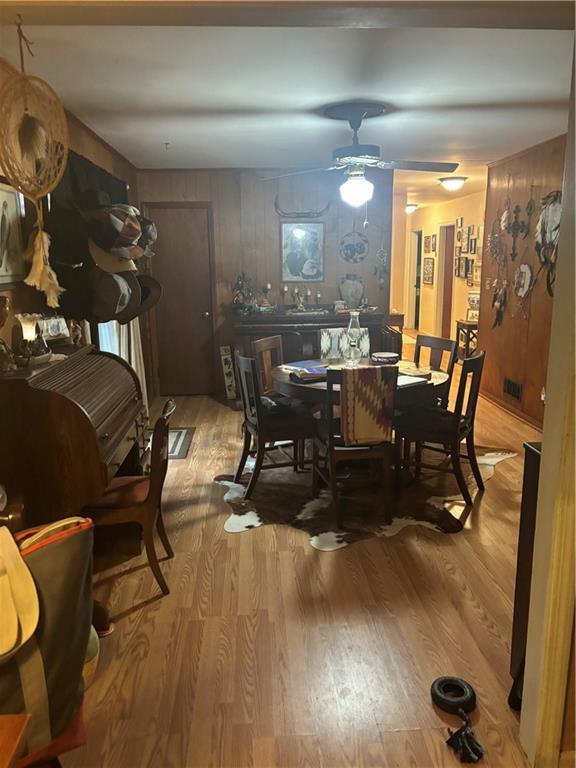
point(455, 456)
point(296, 451)
point(398, 463)
point(148, 530)
point(315, 460)
point(406, 452)
point(162, 534)
point(243, 456)
point(260, 451)
point(473, 460)
point(302, 453)
point(418, 459)
point(334, 490)
point(386, 487)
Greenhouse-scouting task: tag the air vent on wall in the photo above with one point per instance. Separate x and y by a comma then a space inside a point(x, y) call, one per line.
point(513, 389)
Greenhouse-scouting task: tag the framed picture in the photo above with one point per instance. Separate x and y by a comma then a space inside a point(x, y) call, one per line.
point(457, 266)
point(474, 299)
point(302, 245)
point(427, 243)
point(458, 251)
point(433, 243)
point(459, 236)
point(460, 222)
point(469, 267)
point(428, 270)
point(462, 271)
point(12, 268)
point(465, 240)
point(471, 230)
point(472, 315)
point(477, 273)
point(472, 245)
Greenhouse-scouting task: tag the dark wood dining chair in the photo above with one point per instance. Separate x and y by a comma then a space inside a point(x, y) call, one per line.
point(267, 423)
point(268, 354)
point(434, 426)
point(392, 340)
point(138, 499)
point(334, 443)
point(441, 350)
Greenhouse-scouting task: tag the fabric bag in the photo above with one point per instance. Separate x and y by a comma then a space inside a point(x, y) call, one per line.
point(45, 619)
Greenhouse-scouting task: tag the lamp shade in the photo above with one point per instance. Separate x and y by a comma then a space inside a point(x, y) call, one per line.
point(356, 190)
point(452, 183)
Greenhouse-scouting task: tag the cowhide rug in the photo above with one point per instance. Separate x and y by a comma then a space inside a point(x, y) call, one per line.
point(284, 497)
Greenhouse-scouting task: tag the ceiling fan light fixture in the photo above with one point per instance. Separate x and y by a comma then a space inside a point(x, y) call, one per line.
point(356, 190)
point(410, 207)
point(452, 183)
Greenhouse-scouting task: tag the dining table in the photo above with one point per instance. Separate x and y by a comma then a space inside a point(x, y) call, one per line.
point(417, 385)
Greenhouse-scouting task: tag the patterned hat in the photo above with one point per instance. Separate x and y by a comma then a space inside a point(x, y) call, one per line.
point(115, 231)
point(149, 235)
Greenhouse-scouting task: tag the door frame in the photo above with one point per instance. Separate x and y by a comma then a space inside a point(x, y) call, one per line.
point(441, 266)
point(410, 277)
point(151, 321)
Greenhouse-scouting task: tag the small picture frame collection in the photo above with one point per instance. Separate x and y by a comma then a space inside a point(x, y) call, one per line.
point(467, 264)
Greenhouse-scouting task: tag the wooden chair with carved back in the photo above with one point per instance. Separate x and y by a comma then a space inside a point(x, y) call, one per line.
point(268, 423)
point(438, 429)
point(441, 350)
point(361, 432)
point(138, 499)
point(268, 354)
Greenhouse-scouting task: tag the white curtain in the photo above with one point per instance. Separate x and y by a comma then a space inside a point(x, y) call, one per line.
point(126, 342)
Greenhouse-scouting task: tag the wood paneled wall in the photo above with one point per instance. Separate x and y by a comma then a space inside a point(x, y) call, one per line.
point(247, 227)
point(518, 348)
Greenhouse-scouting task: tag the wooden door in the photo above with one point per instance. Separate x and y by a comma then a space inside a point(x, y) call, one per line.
point(448, 276)
point(182, 265)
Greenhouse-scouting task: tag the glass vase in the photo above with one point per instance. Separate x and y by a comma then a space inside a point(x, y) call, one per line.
point(353, 333)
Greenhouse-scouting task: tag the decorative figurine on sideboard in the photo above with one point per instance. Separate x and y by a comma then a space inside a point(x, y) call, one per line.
point(243, 297)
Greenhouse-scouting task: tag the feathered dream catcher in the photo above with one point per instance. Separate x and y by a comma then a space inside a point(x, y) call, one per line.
point(547, 234)
point(33, 155)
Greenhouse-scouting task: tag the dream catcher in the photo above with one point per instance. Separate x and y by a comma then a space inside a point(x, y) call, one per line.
point(522, 284)
point(547, 235)
point(33, 155)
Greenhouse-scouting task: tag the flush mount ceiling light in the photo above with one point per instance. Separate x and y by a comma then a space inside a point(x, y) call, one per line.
point(356, 190)
point(411, 207)
point(452, 183)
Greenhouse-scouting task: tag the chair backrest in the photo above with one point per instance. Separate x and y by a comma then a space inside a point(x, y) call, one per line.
point(392, 340)
point(268, 354)
point(247, 375)
point(437, 346)
point(367, 397)
point(469, 387)
point(334, 344)
point(159, 453)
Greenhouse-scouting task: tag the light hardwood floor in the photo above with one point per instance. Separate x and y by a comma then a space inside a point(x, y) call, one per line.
point(268, 653)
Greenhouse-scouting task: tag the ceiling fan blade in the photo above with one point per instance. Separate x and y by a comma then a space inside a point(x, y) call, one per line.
point(416, 165)
point(298, 173)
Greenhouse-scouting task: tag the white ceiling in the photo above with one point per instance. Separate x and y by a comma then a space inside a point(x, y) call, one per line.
point(249, 97)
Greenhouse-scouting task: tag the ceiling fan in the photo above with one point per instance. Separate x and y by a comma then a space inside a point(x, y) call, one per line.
point(355, 158)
